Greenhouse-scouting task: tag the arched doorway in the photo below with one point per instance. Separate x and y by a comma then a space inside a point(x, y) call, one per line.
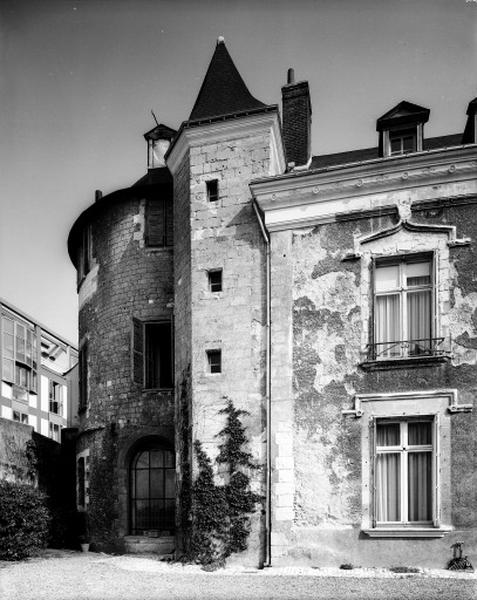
point(152, 490)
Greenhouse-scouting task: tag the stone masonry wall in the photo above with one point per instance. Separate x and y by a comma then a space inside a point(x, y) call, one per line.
point(131, 281)
point(225, 235)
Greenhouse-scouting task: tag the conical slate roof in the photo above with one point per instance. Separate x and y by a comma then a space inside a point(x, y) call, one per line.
point(223, 90)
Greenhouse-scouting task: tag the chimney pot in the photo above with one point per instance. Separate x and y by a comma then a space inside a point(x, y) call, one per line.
point(98, 194)
point(291, 76)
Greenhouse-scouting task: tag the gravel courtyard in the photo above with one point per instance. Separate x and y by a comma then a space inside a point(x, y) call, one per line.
point(65, 575)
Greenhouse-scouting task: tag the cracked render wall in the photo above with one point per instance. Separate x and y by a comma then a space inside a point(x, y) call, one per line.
point(319, 508)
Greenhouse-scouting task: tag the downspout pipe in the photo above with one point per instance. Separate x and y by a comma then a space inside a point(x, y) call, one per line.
point(268, 394)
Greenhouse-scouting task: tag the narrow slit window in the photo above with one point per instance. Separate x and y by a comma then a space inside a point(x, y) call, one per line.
point(215, 280)
point(214, 358)
point(212, 190)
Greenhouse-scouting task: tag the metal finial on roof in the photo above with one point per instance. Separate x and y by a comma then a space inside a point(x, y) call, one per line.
point(220, 40)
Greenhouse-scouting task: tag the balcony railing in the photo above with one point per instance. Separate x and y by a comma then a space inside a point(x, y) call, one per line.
point(406, 349)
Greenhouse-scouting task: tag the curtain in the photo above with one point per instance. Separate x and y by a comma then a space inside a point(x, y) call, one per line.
point(387, 325)
point(419, 486)
point(419, 322)
point(388, 487)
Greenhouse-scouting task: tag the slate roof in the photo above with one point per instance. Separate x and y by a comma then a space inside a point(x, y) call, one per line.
point(353, 156)
point(223, 90)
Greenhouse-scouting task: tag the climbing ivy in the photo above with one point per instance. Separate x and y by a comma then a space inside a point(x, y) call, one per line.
point(103, 512)
point(221, 513)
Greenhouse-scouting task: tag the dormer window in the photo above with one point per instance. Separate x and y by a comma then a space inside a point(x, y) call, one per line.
point(158, 142)
point(401, 129)
point(402, 142)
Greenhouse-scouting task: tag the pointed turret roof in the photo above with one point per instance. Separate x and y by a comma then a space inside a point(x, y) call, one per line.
point(223, 90)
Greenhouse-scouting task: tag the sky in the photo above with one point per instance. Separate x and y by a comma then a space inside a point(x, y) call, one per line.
point(79, 78)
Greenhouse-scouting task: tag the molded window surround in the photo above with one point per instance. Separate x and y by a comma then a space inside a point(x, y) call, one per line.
point(405, 274)
point(396, 414)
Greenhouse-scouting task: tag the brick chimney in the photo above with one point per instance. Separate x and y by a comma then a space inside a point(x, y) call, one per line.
point(296, 120)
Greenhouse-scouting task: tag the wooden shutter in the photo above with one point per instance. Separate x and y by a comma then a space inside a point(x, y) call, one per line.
point(155, 223)
point(436, 469)
point(137, 351)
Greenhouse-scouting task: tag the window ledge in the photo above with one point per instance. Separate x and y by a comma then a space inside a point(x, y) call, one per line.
point(409, 532)
point(401, 363)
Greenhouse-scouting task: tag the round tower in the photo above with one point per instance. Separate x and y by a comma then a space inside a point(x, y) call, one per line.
point(122, 249)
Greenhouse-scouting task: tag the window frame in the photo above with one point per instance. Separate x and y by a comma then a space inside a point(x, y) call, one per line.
point(217, 352)
point(212, 188)
point(139, 359)
point(402, 291)
point(83, 376)
point(24, 377)
point(210, 275)
point(404, 449)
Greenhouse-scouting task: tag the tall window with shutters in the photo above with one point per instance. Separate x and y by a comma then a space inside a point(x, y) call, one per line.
point(405, 471)
point(152, 354)
point(159, 224)
point(404, 314)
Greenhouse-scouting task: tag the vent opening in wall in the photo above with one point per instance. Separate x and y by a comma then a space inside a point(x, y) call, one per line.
point(215, 280)
point(212, 190)
point(214, 358)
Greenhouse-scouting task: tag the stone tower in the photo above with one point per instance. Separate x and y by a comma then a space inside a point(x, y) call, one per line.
point(122, 248)
point(219, 265)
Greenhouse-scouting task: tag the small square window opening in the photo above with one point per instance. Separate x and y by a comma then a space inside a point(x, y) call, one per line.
point(215, 280)
point(214, 358)
point(212, 190)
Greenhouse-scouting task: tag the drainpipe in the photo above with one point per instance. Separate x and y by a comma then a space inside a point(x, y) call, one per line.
point(268, 396)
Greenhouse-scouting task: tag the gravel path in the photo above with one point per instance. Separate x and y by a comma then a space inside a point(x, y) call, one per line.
point(64, 575)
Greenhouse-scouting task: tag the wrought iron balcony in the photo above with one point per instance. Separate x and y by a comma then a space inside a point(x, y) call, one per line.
point(406, 349)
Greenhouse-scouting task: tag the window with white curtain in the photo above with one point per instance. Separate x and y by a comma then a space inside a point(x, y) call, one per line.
point(405, 471)
point(403, 307)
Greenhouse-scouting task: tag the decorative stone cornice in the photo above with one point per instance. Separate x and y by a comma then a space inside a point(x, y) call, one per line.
point(227, 130)
point(301, 199)
point(450, 394)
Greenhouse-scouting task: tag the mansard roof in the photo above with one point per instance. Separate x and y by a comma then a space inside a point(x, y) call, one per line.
point(223, 90)
point(404, 112)
point(354, 156)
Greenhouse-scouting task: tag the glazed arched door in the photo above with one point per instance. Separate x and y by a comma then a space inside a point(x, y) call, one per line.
point(152, 492)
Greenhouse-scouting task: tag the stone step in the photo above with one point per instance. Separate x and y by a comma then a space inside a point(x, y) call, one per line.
point(141, 544)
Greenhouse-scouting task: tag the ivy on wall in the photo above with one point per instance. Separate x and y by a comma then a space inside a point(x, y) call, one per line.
point(221, 513)
point(102, 511)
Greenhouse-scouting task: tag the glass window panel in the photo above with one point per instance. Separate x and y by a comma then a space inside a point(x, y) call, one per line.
point(142, 483)
point(388, 317)
point(408, 143)
point(396, 146)
point(387, 278)
point(157, 458)
point(169, 459)
point(141, 514)
point(8, 345)
point(418, 273)
point(8, 369)
point(420, 434)
point(420, 486)
point(157, 483)
point(29, 343)
point(143, 460)
point(156, 514)
point(419, 322)
point(21, 343)
point(7, 325)
point(170, 490)
point(388, 487)
point(388, 434)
